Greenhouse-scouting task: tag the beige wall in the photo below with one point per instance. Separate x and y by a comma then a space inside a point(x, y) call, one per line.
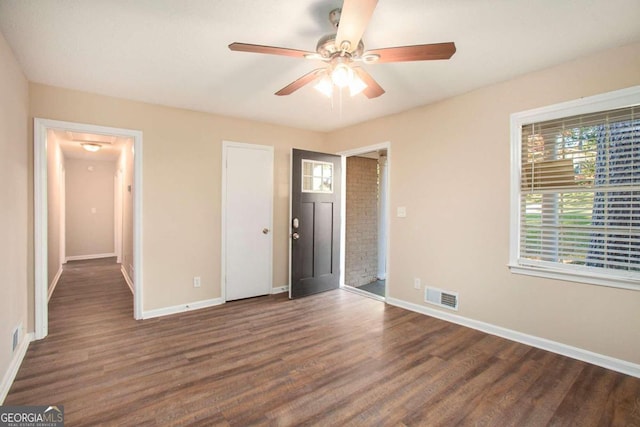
point(55, 165)
point(361, 231)
point(181, 185)
point(14, 193)
point(89, 207)
point(449, 165)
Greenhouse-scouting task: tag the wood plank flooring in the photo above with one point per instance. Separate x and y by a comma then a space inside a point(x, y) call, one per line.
point(331, 359)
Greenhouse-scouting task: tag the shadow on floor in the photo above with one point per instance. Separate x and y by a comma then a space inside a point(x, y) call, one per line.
point(376, 287)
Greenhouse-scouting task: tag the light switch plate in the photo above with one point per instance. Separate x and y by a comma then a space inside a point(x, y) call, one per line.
point(402, 212)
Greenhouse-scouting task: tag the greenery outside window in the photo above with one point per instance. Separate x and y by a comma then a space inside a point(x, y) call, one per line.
point(575, 197)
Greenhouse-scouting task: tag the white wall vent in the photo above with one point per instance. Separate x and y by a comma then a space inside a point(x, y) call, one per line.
point(15, 338)
point(441, 298)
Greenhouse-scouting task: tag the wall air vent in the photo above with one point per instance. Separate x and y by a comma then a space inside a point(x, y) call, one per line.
point(441, 298)
point(15, 338)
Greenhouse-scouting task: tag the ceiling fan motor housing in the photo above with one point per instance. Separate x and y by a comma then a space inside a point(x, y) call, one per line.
point(327, 48)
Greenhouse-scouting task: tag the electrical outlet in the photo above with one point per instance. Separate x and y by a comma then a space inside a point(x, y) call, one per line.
point(416, 282)
point(196, 281)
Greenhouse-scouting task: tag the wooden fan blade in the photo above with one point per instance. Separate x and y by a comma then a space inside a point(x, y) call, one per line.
point(373, 89)
point(354, 18)
point(421, 52)
point(269, 50)
point(297, 84)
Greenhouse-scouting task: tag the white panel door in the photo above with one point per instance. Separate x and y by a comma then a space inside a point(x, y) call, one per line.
point(247, 220)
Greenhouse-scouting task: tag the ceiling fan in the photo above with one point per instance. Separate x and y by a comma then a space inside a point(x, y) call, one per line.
point(344, 50)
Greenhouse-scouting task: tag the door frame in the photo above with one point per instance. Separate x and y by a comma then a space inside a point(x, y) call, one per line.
point(343, 212)
point(40, 128)
point(63, 217)
point(118, 194)
point(223, 213)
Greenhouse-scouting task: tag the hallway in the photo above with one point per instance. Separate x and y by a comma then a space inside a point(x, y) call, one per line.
point(91, 293)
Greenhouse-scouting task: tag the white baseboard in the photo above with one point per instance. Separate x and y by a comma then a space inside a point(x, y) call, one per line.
point(12, 371)
point(54, 283)
point(608, 362)
point(127, 278)
point(165, 311)
point(92, 256)
point(279, 290)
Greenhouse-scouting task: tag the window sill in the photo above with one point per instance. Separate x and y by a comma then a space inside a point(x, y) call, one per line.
point(547, 273)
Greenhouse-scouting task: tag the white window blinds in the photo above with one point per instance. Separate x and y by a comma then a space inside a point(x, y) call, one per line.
point(580, 193)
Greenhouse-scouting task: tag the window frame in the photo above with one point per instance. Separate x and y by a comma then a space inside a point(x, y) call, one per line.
point(599, 103)
point(303, 176)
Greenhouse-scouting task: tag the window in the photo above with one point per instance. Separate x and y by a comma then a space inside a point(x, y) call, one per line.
point(317, 177)
point(575, 208)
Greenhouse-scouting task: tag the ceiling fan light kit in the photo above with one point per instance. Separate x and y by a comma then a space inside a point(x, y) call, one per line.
point(342, 50)
point(342, 76)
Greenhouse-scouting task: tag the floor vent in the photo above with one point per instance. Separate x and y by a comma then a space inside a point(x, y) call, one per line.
point(446, 299)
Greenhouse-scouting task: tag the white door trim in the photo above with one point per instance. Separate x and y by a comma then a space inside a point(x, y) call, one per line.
point(117, 214)
point(63, 217)
point(343, 233)
point(383, 209)
point(223, 232)
point(40, 128)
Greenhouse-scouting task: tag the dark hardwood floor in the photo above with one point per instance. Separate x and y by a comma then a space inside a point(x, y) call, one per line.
point(332, 359)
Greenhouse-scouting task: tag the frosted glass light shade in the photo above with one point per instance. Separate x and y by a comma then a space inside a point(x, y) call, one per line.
point(342, 75)
point(356, 85)
point(90, 146)
point(324, 86)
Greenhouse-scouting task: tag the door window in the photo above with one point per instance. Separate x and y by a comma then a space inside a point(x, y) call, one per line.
point(317, 177)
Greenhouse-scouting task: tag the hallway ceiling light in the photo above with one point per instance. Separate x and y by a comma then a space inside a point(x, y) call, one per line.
point(91, 146)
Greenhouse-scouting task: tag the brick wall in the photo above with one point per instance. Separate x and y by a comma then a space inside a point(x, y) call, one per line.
point(361, 259)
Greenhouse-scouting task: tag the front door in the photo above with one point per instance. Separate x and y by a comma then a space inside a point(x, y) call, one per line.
point(247, 202)
point(315, 222)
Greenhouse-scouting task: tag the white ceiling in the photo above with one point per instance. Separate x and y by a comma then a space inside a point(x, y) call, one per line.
point(174, 52)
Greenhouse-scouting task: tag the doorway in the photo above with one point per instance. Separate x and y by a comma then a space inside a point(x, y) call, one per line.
point(44, 131)
point(366, 226)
